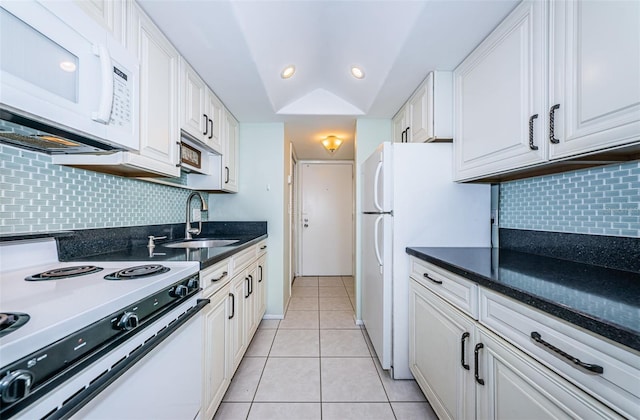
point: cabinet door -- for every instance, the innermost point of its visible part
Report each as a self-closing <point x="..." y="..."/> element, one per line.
<point x="192" y="102"/>
<point x="595" y="75"/>
<point x="517" y="387"/>
<point x="237" y="343"/>
<point x="421" y="112"/>
<point x="261" y="288"/>
<point x="216" y="334"/>
<point x="497" y="90"/>
<point x="159" y="132"/>
<point x="399" y="126"/>
<point x="110" y="14"/>
<point x="230" y="155"/>
<point x="440" y="340"/>
<point x="215" y="114"/>
<point x="250" y="321"/>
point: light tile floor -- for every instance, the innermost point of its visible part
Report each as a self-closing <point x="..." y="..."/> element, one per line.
<point x="317" y="363"/>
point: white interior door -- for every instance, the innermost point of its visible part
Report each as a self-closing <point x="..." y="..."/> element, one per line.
<point x="326" y="218"/>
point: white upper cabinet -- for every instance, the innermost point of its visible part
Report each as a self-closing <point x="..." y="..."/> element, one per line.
<point x="192" y="102"/>
<point x="159" y="132"/>
<point x="201" y="112"/>
<point x="400" y="124"/>
<point x="110" y="14"/>
<point x="427" y="115"/>
<point x="595" y="75"/>
<point x="230" y="155"/>
<point x="499" y="97"/>
<point x="555" y="80"/>
<point x="215" y="115"/>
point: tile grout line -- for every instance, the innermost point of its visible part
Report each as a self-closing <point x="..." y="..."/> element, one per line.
<point x="319" y="353"/>
<point x="265" y="364"/>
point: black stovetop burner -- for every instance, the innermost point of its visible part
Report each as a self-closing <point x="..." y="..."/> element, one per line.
<point x="137" y="272"/>
<point x="65" y="272"/>
<point x="10" y="322"/>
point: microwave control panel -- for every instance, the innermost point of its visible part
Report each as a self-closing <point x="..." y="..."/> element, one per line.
<point x="122" y="99"/>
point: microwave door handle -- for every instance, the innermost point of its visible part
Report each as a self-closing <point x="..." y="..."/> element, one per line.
<point x="376" y="241"/>
<point x="376" y="180"/>
<point x="106" y="97"/>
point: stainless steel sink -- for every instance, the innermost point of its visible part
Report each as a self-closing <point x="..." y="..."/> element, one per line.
<point x="201" y="243"/>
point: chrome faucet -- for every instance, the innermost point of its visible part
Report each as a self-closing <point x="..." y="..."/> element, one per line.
<point x="188" y="230"/>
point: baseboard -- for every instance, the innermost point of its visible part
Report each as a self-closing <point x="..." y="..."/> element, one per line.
<point x="273" y="316"/>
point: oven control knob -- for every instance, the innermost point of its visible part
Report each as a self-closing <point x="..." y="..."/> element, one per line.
<point x="16" y="385"/>
<point x="180" y="291"/>
<point x="128" y="321"/>
<point x="194" y="283"/>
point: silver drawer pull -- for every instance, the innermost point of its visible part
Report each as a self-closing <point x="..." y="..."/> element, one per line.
<point x="591" y="368"/>
<point x="223" y="275"/>
<point x="426" y="276"/>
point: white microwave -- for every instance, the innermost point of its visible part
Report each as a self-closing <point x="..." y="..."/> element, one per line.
<point x="58" y="65"/>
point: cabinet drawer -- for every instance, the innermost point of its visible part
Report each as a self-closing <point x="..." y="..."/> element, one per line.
<point x="458" y="291"/>
<point x="617" y="385"/>
<point x="214" y="277"/>
<point x="261" y="248"/>
<point x="242" y="259"/>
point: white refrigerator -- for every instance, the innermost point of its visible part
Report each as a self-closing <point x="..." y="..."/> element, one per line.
<point x="409" y="199"/>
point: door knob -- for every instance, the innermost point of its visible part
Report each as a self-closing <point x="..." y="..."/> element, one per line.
<point x="306" y="225"/>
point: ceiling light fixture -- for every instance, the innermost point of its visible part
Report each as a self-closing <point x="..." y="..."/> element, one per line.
<point x="288" y="72"/>
<point x="332" y="143"/>
<point x="357" y="72"/>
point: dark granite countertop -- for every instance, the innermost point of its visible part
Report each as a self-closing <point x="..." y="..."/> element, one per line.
<point x="602" y="300"/>
<point x="205" y="256"/>
<point x="7" y="237"/>
<point x="130" y="243"/>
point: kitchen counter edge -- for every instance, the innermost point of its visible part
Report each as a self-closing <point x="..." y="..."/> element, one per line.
<point x="600" y="327"/>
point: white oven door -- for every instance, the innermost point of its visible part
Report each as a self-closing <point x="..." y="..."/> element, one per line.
<point x="165" y="384"/>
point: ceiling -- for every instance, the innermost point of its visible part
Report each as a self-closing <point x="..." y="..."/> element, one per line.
<point x="240" y="48"/>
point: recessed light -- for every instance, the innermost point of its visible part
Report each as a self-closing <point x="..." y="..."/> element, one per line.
<point x="357" y="72"/>
<point x="288" y="72"/>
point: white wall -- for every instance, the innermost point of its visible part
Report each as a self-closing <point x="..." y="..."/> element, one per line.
<point x="369" y="134"/>
<point x="261" y="195"/>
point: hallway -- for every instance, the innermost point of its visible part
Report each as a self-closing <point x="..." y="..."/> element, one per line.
<point x="317" y="364"/>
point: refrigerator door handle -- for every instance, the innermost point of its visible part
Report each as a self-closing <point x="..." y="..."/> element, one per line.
<point x="376" y="180"/>
<point x="376" y="229"/>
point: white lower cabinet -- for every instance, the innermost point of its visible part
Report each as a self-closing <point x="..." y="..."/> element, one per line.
<point x="466" y="371"/>
<point x="236" y="288"/>
<point x="261" y="285"/>
<point x="249" y="306"/>
<point x="515" y="386"/>
<point x="216" y="334"/>
<point x="237" y="343"/>
<point x="439" y="354"/>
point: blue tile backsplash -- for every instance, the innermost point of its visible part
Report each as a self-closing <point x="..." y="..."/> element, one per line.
<point x="599" y="201"/>
<point x="39" y="196"/>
